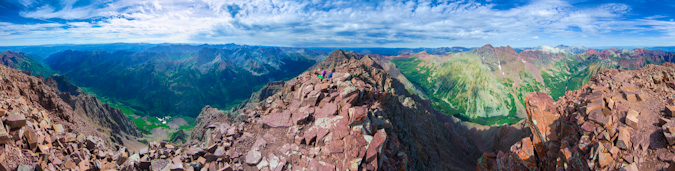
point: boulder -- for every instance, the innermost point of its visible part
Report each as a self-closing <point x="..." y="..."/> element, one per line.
<point x="31" y="138"/>
<point x="143" y="151"/>
<point x="24" y="167"/>
<point x="276" y="120"/>
<point x="303" y="116"/>
<point x="253" y="157"/>
<point x="669" y="132"/>
<point x="15" y="120"/>
<point x="4" y="135"/>
<point x="605" y="159"/>
<point x="58" y="128"/>
<point x="375" y="145"/>
<point x="525" y="152"/>
<point x="670" y="110"/>
<point x="631" y="97"/>
<point x="327" y="110"/>
<point x="632" y="118"/>
<point x="543" y="120"/>
<point x="623" y="141"/>
<point x="598" y="116"/>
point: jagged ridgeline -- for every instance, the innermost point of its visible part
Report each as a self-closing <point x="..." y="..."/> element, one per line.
<point x="24" y="62"/>
<point x="488" y="85"/>
<point x="179" y="80"/>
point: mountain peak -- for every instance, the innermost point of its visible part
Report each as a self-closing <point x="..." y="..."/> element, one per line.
<point x="487" y="46"/>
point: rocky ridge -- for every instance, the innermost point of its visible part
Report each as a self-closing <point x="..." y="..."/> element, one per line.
<point x="621" y="119"/>
<point x="360" y="119"/>
<point x="111" y="119"/>
<point x="40" y="130"/>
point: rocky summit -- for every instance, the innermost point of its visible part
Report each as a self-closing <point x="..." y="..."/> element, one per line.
<point x="41" y="129"/>
<point x="620" y="120"/>
<point x="357" y="119"/>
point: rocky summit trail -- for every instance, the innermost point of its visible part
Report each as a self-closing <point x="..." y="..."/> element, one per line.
<point x="621" y="119"/>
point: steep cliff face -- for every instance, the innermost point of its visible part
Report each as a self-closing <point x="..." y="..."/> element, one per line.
<point x="359" y="118"/>
<point x="620" y="120"/>
<point x="111" y="119"/>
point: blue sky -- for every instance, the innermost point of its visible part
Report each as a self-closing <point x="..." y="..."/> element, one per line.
<point x="472" y="23"/>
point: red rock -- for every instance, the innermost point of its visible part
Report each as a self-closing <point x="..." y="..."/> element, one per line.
<point x="4" y="135"/>
<point x="276" y="120"/>
<point x="670" y="110"/>
<point x="321" y="127"/>
<point x="320" y="165"/>
<point x="220" y="152"/>
<point x="253" y="157"/>
<point x="201" y="160"/>
<point x="598" y="116"/>
<point x="15" y="120"/>
<point x="375" y="145"/>
<point x="335" y="147"/>
<point x="143" y="151"/>
<point x="350" y="95"/>
<point x="31" y="138"/>
<point x="58" y="128"/>
<point x="596" y="104"/>
<point x="605" y="159"/>
<point x="669" y="132"/>
<point x="327" y="110"/>
<point x="631" y="167"/>
<point x="632" y="118"/>
<point x="623" y="141"/>
<point x="631" y="97"/>
<point x="44" y="148"/>
<point x="543" y="120"/>
<point x="357" y="115"/>
<point x="312" y="99"/>
<point x="144" y="165"/>
<point x="588" y="126"/>
<point x="525" y="153"/>
<point x="69" y="164"/>
<point x="303" y="116"/>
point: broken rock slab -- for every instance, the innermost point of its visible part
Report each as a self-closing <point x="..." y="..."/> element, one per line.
<point x="632" y="118"/>
<point x="670" y="110"/>
<point x="4" y="136"/>
<point x="276" y="120"/>
<point x="15" y="120"/>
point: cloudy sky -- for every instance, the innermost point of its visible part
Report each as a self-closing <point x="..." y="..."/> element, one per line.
<point x="337" y="23"/>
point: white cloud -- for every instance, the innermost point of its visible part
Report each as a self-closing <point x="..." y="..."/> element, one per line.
<point x="331" y="23"/>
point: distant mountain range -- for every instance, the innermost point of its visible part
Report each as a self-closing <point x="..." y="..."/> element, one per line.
<point x="180" y="80"/>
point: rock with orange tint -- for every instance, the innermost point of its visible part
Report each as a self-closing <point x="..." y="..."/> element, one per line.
<point x="525" y="151"/>
<point x="543" y="119"/>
